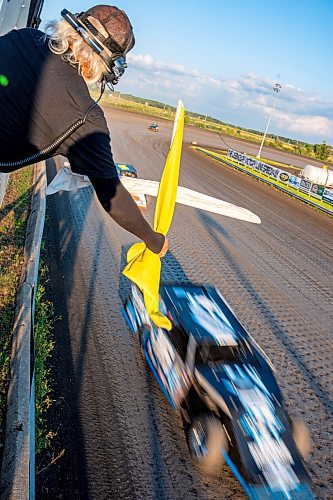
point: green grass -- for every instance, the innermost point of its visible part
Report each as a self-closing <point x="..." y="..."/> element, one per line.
<point x="13" y="219"/>
<point x="127" y="105"/>
<point x="44" y="345"/>
<point x="273" y="182"/>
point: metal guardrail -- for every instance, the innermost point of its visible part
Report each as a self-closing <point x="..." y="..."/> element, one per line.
<point x="3" y="186"/>
<point x="266" y="181"/>
<point x="18" y="466"/>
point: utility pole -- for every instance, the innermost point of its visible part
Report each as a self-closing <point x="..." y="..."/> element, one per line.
<point x="276" y="88"/>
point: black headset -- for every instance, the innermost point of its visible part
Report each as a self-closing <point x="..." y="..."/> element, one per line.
<point x="116" y="63"/>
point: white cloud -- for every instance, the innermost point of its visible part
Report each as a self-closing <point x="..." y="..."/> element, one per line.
<point x="249" y="98"/>
<point x="146" y="62"/>
<point x="307" y="125"/>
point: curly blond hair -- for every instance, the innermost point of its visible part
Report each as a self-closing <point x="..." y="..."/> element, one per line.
<point x="64" y="40"/>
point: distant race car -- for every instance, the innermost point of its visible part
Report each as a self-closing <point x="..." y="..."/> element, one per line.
<point x="211" y="369"/>
<point x="153" y="127"/>
<point x="127" y="170"/>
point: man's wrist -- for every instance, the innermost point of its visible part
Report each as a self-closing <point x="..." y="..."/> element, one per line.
<point x="155" y="242"/>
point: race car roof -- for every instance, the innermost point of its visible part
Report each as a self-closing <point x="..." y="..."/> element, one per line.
<point x="202" y="313"/>
<point x="125" y="166"/>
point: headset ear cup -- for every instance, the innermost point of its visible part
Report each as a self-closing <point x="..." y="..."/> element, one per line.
<point x="115" y="72"/>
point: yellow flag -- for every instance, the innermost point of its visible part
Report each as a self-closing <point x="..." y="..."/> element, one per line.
<point x="143" y="266"/>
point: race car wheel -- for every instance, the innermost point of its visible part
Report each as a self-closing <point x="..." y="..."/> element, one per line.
<point x="143" y="332"/>
<point x="302" y="438"/>
<point x="130" y="311"/>
<point x="206" y="439"/>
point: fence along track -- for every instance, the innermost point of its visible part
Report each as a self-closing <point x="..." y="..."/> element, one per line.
<point x="266" y="181"/>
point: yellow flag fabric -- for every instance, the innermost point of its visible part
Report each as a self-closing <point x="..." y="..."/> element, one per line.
<point x="143" y="266"/>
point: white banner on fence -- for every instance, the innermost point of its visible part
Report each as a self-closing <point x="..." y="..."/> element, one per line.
<point x="264" y="168"/>
<point x="294" y="181"/>
<point x="315" y="190"/>
<point x="247" y="161"/>
<point x="305" y="186"/>
<point x="328" y="195"/>
<point x="284" y="176"/>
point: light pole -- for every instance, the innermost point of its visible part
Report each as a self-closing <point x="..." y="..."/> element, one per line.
<point x="276" y="88"/>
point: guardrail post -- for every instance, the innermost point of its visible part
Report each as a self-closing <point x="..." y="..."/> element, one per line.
<point x="3" y="185"/>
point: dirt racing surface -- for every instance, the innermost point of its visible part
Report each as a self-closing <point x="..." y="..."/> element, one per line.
<point x="120" y="437"/>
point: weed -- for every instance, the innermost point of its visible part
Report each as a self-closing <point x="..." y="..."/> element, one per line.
<point x="44" y="344"/>
<point x="13" y="220"/>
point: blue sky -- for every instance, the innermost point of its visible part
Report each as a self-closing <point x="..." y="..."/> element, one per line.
<point x="223" y="58"/>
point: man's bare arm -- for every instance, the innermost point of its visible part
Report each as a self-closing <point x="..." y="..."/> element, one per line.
<point x="119" y="204"/>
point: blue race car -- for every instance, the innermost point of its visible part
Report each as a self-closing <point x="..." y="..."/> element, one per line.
<point x="126" y="169"/>
<point x="153" y="127"/>
<point x="211" y="369"/>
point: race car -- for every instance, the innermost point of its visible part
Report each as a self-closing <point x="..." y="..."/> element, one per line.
<point x="127" y="170"/>
<point x="212" y="370"/>
<point x="153" y="127"/>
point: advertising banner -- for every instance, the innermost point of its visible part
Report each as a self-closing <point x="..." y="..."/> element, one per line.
<point x="263" y="168"/>
<point x="313" y="189"/>
<point x="284" y="176"/>
<point x="247" y="161"/>
<point x="241" y="158"/>
<point x="328" y="196"/>
<point x="305" y="186"/>
<point x="317" y="191"/>
<point x="294" y="181"/>
<point x="275" y="172"/>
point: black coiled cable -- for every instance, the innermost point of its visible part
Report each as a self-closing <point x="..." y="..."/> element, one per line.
<point x="44" y="153"/>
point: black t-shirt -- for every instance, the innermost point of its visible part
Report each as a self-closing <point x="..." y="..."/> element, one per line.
<point x="44" y="96"/>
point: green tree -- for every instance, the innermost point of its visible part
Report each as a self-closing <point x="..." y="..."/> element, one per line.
<point x="297" y="148"/>
<point x="309" y="150"/>
<point x="322" y="151"/>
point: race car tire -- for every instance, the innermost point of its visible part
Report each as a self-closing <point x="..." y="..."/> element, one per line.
<point x="143" y="333"/>
<point x="130" y="311"/>
<point x="206" y="440"/>
<point x="302" y="438"/>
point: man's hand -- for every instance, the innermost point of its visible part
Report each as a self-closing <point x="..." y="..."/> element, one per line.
<point x="158" y="243"/>
<point x="165" y="248"/>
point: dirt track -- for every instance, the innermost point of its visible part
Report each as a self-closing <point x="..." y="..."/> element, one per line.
<point x="121" y="438"/>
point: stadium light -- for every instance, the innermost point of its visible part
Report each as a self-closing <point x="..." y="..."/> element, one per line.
<point x="276" y="88"/>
